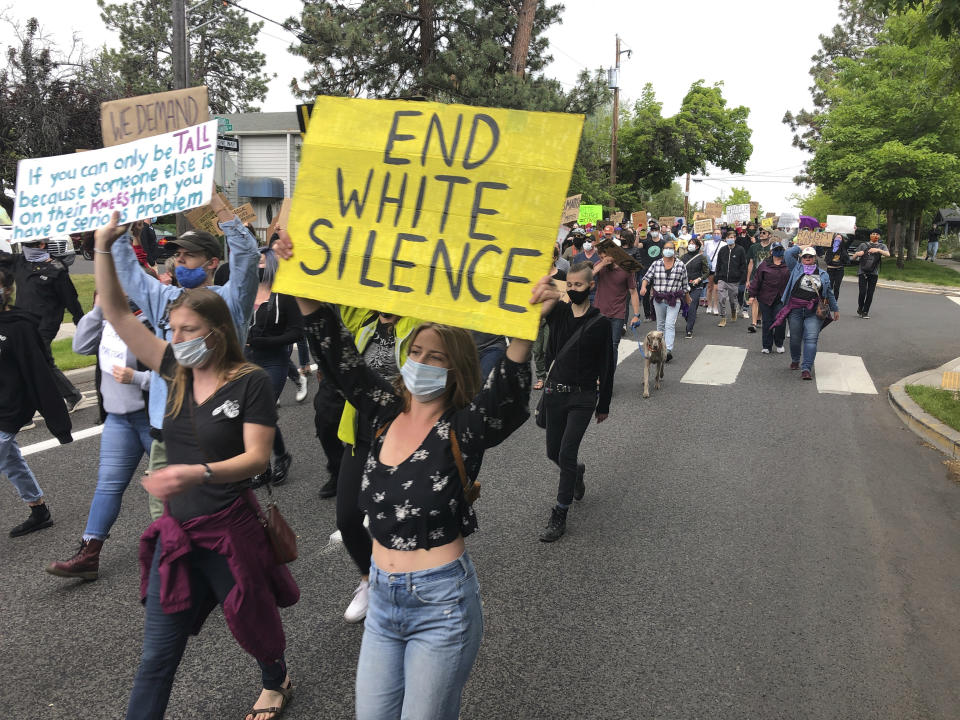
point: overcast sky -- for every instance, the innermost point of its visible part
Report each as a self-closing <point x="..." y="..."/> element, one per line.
<point x="759" y="52"/>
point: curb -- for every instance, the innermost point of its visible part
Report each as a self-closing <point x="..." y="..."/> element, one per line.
<point x="931" y="430"/>
<point x="81" y="375"/>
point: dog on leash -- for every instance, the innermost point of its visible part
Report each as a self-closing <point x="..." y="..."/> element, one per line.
<point x="654" y="353"/>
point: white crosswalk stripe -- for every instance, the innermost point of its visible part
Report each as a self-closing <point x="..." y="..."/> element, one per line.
<point x="716" y="365"/>
<point x="842" y="374"/>
<point x="955" y="298"/>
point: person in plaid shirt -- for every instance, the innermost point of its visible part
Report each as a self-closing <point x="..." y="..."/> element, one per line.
<point x="670" y="285"/>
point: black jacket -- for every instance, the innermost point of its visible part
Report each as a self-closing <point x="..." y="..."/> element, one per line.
<point x="731" y="265"/>
<point x="26" y="377"/>
<point x="275" y="323"/>
<point x="148" y="240"/>
<point x="588" y="360"/>
<point x="45" y="290"/>
<point x="837" y="259"/>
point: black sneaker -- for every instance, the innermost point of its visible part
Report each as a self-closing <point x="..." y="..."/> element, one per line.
<point x="669" y="356"/>
<point x="688" y="336"/>
<point x="578" y="487"/>
<point x="557" y="525"/>
<point x="262" y="479"/>
<point x="38" y="520"/>
<point x="752" y="329"/>
<point x="329" y="488"/>
<point x="280" y="469"/>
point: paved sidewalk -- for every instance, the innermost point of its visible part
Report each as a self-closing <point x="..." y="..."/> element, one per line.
<point x="941" y="436"/>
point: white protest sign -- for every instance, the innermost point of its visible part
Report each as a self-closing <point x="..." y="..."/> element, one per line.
<point x="145" y="178"/>
<point x="113" y="351"/>
<point x="846" y="224"/>
<point x="738" y="213"/>
<point x="789" y="218"/>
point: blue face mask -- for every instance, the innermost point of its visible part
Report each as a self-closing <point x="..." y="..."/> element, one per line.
<point x="424" y="382"/>
<point x="190" y="277"/>
<point x="192" y="353"/>
<point x="668" y="253"/>
<point x="730" y="241"/>
<point x="35" y="254"/>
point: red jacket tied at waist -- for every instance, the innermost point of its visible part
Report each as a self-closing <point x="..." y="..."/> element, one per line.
<point x="262" y="586"/>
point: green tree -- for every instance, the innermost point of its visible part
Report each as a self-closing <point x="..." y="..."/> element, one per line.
<point x="49" y="102"/>
<point x="668" y="201"/>
<point x="942" y="17"/>
<point x="223" y="53"/>
<point x="818" y="203"/>
<point x="904" y="159"/>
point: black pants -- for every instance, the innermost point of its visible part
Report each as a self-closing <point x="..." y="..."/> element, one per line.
<point x="568" y="415"/>
<point x="868" y="283"/>
<point x="64" y="386"/>
<point x="349" y="516"/>
<point x="328" y="407"/>
<point x="771" y="335"/>
<point x="836" y="277"/>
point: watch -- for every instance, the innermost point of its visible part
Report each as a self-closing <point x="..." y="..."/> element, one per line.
<point x="207" y="474"/>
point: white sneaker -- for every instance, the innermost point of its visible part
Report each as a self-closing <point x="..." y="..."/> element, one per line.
<point x="779" y="349"/>
<point x="764" y="352"/>
<point x="357" y="609"/>
<point x="301" y="388"/>
<point x="746" y="314"/>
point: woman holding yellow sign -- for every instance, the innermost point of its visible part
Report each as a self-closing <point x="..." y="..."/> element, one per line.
<point x="424" y="621"/>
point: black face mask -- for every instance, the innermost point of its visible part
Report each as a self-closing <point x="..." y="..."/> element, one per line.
<point x="578" y="296"/>
<point x="260" y="274"/>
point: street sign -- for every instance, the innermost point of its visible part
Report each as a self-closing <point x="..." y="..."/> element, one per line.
<point x="228" y="143"/>
<point x="223" y="124"/>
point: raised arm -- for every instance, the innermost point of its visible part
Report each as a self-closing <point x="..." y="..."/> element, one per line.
<point x="141" y="342"/>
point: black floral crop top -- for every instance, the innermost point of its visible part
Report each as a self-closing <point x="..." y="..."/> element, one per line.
<point x="418" y="504"/>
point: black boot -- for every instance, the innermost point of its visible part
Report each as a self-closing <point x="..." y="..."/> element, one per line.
<point x="329" y="488"/>
<point x="38" y="520"/>
<point x="557" y="525"/>
<point x="578" y="487"/>
<point x="280" y="469"/>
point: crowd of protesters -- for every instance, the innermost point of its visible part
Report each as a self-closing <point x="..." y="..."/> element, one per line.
<point x="193" y="356"/>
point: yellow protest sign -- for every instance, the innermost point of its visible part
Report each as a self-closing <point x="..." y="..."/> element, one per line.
<point x="443" y="212"/>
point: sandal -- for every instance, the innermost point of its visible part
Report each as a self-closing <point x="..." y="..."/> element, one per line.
<point x="286" y="692"/>
<point x="538" y="385"/>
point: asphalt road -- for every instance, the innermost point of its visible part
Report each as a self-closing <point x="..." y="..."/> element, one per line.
<point x="755" y="550"/>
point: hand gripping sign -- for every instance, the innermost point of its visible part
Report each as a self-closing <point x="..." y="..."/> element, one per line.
<point x="442" y="212"/>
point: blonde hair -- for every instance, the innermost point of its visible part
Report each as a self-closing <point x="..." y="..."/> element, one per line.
<point x="227" y="357"/>
<point x="464" y="373"/>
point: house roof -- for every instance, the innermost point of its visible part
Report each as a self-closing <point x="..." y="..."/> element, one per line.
<point x="278" y="122"/>
<point x="948" y="215"/>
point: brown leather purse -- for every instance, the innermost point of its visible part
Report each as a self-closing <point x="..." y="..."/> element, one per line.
<point x="283" y="541"/>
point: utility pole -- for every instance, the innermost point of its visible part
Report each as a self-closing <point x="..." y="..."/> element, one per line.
<point x="180" y="48"/>
<point x="615" y="83"/>
<point x="686" y="201"/>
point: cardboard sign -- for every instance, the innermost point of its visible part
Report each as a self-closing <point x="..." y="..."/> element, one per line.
<point x="590" y="214"/>
<point x="738" y="213"/>
<point x="617" y="218"/>
<point x="281" y="219"/>
<point x="812" y="237"/>
<point x="754" y="209"/>
<point x="73" y="193"/>
<point x="639" y="219"/>
<point x="770" y="215"/>
<point x="666" y="221"/>
<point x="713" y="210"/>
<point x="571" y="209"/>
<point x="703" y="226"/>
<point x="619" y="256"/>
<point x="441" y="212"/>
<point x="205" y="219"/>
<point x="700" y="216"/>
<point x="846" y="224"/>
<point x="122" y="121"/>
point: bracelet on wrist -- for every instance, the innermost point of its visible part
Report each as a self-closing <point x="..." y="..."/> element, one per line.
<point x="102" y="252"/>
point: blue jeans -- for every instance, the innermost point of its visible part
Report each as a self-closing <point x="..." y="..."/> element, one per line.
<point x="804" y="330"/>
<point x="695" y="295"/>
<point x="932" y="248"/>
<point x="125" y="439"/>
<point x="421" y="638"/>
<point x="275" y="363"/>
<point x="165" y="635"/>
<point x="667" y="320"/>
<point x="616" y="329"/>
<point x="489" y="357"/>
<point x="15" y="468"/>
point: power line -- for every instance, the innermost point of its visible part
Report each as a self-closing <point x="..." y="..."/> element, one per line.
<point x="301" y="35"/>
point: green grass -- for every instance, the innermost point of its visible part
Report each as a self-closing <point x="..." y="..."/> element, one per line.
<point x="84" y="286"/>
<point x="66" y="359"/>
<point x="915" y="271"/>
<point x="942" y="404"/>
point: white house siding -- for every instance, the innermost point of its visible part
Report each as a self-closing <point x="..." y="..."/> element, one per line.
<point x="264" y="156"/>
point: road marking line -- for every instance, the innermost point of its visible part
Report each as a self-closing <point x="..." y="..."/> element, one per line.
<point x="53" y="442"/>
<point x="716" y="365"/>
<point x="842" y="375"/>
<point x="626" y="349"/>
<point x="955" y="298"/>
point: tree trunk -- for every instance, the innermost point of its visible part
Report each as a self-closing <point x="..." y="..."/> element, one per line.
<point x="521" y="41"/>
<point x="910" y="239"/>
<point x="428" y="34"/>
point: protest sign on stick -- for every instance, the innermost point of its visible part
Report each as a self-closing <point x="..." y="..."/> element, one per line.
<point x="639" y="219"/>
<point x="204" y="218"/>
<point x="123" y="121"/>
<point x="703" y="226"/>
<point x="154" y="176"/>
<point x="754" y="209"/>
<point x="713" y="210"/>
<point x="738" y="213"/>
<point x="571" y="209"/>
<point x="440" y="212"/>
<point x="846" y="224"/>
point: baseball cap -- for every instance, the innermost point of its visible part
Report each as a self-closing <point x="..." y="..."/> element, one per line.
<point x="198" y="241"/>
<point x="808" y="251"/>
